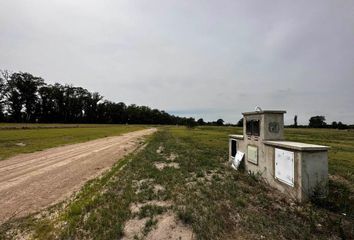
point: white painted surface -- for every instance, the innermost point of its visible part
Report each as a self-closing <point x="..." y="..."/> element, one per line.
<point x="236" y="136"/>
<point x="237" y="160"/>
<point x="296" y="145"/>
<point x="284" y="166"/>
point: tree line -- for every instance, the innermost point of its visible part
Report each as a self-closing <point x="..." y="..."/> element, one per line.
<point x="27" y="98"/>
<point x="314" y="122"/>
<point x="320" y="122"/>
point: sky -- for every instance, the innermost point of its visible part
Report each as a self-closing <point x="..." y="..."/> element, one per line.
<point x="204" y="59"/>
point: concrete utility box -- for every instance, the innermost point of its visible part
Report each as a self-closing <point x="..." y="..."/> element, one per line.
<point x="294" y="168"/>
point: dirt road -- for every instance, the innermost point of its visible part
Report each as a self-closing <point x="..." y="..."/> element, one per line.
<point x="30" y="182"/>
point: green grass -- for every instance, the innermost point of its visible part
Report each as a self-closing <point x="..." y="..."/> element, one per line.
<point x="341" y="154"/>
<point x="4" y="126"/>
<point x="216" y="201"/>
<point x="25" y="138"/>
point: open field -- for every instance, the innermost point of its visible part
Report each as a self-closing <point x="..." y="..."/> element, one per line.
<point x="341" y="154"/>
<point x="179" y="184"/>
<point x="14" y="126"/>
<point x="26" y="138"/>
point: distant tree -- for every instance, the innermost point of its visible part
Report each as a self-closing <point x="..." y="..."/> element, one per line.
<point x="334" y="124"/>
<point x="2" y="86"/>
<point x="317" y="122"/>
<point x="240" y="123"/>
<point x="342" y="125"/>
<point x="22" y="95"/>
<point x="201" y="122"/>
<point x="191" y="123"/>
<point x="4" y="77"/>
<point x="59" y="99"/>
<point x="295" y="121"/>
<point x="45" y="105"/>
<point x="91" y="107"/>
<point x="220" y="122"/>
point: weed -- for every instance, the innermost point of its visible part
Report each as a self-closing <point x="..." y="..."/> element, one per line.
<point x="185" y="215"/>
<point x="255" y="176"/>
<point x="149" y="225"/>
<point x="340" y="199"/>
<point x="150" y="211"/>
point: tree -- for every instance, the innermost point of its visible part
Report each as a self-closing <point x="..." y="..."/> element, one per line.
<point x="317" y="122"/>
<point x="2" y="86"/>
<point x="27" y="98"/>
<point x="295" y="121"/>
<point x="342" y="125"/>
<point x="22" y="94"/>
<point x="4" y="77"/>
<point x="14" y="101"/>
<point x="46" y="105"/>
<point x="201" y="122"/>
<point x="220" y="122"/>
<point x="91" y="107"/>
<point x="191" y="123"/>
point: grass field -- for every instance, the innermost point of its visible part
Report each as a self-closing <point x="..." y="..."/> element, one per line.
<point x="341" y="154"/>
<point x="207" y="195"/>
<point x="25" y="138"/>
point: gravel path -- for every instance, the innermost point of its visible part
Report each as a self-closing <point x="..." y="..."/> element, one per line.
<point x="31" y="182"/>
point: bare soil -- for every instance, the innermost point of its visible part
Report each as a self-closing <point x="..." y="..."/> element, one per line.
<point x="161" y="165"/>
<point x="31" y="182"/>
<point x="169" y="227"/>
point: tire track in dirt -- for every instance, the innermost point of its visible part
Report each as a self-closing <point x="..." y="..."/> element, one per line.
<point x="31" y="182"/>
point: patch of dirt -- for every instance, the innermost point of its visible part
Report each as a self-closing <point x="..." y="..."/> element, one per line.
<point x="206" y="178"/>
<point x="160" y="150"/>
<point x="169" y="227"/>
<point x="191" y="184"/>
<point x="158" y="188"/>
<point x="20" y="144"/>
<point x="133" y="229"/>
<point x="161" y="165"/>
<point x="172" y="157"/>
<point x="17" y="234"/>
<point x="31" y="182"/>
<point x="212" y="174"/>
<point x="141" y="184"/>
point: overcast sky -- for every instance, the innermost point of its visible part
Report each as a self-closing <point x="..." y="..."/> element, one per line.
<point x="210" y="59"/>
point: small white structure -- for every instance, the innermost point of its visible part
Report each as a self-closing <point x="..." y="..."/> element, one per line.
<point x="294" y="168"/>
